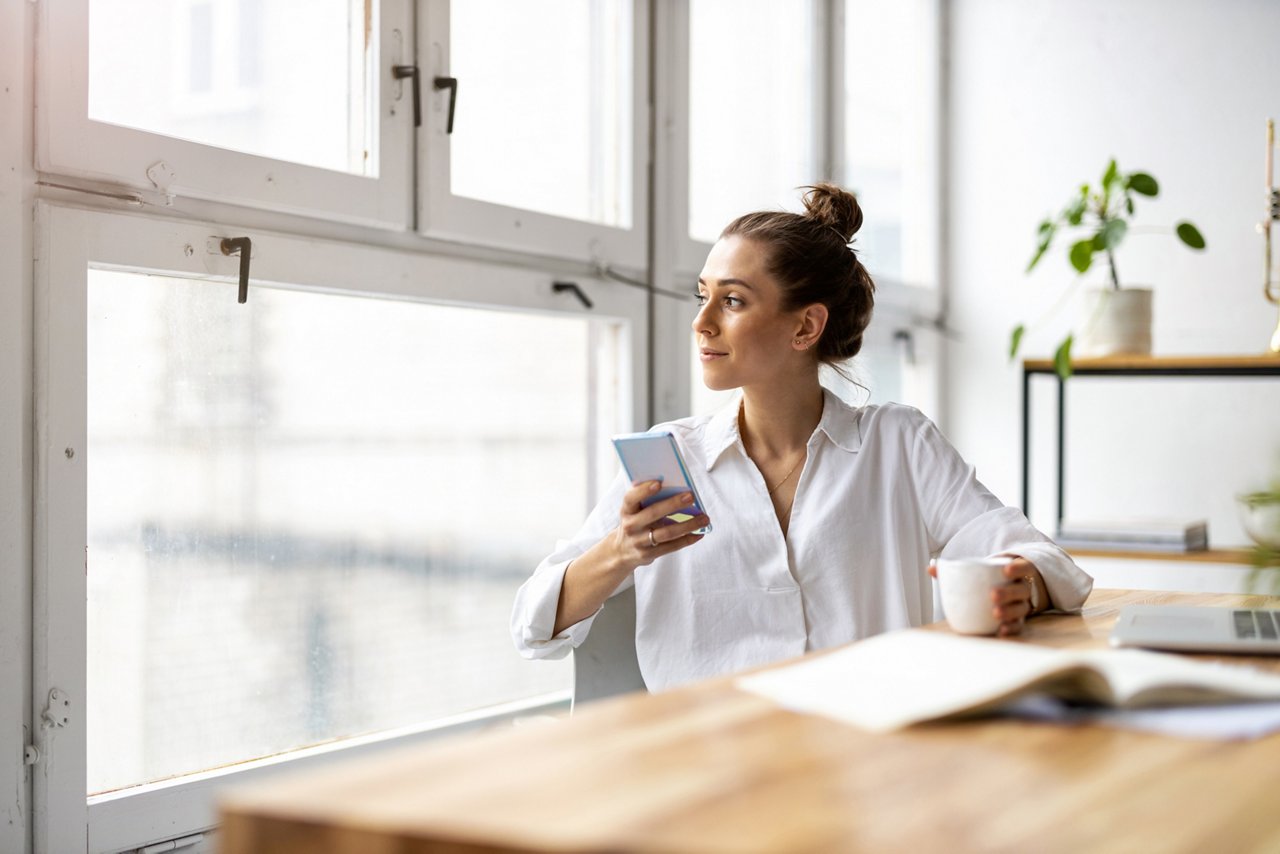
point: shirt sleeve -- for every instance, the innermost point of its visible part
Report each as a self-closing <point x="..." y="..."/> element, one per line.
<point x="964" y="519"/>
<point x="533" y="616"/>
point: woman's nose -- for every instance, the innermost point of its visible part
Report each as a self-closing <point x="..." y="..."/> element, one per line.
<point x="702" y="324"/>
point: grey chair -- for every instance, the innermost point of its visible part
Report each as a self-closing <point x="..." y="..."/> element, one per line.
<point x="605" y="664"/>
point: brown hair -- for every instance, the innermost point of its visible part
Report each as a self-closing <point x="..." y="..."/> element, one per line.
<point x="810" y="256"/>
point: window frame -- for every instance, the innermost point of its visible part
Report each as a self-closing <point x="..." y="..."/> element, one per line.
<point x="70" y="241"/>
<point x="159" y="168"/>
<point x="445" y="216"/>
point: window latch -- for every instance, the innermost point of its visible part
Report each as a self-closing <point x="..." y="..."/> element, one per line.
<point x="243" y="245"/>
<point x="400" y="72"/>
<point x="450" y="83"/>
<point x="572" y="287"/>
<point x="57" y="712"/>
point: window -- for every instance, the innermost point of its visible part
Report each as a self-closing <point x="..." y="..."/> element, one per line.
<point x="311" y="511"/>
<point x="542" y="156"/>
<point x="243" y="101"/>
<point x="753" y="127"/>
<point x="890" y="105"/>
<point x="565" y="132"/>
<point x="303" y="519"/>
<point x="752" y="60"/>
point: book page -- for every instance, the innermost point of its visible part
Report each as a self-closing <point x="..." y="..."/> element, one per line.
<point x="905" y="677"/>
<point x="1139" y="678"/>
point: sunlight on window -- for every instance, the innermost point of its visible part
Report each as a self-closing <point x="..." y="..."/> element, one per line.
<point x="751" y="128"/>
<point x="253" y="76"/>
<point x="308" y="515"/>
<point x="549" y="127"/>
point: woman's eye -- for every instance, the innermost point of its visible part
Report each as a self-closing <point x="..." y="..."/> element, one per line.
<point x="732" y="301"/>
<point x="701" y="299"/>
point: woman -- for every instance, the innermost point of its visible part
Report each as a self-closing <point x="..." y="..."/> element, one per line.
<point x="825" y="515"/>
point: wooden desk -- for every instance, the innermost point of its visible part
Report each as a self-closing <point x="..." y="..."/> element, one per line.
<point x="708" y="768"/>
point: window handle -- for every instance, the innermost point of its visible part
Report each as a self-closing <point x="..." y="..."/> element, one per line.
<point x="450" y="83"/>
<point x="400" y="72"/>
<point x="572" y="287"/>
<point x="243" y="245"/>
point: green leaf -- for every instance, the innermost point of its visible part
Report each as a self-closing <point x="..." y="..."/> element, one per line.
<point x="1141" y="182"/>
<point x="1062" y="359"/>
<point x="1110" y="175"/>
<point x="1047" y="229"/>
<point x="1015" y="339"/>
<point x="1128" y="203"/>
<point x="1074" y="212"/>
<point x="1112" y="233"/>
<point x="1190" y="235"/>
<point x="1082" y="255"/>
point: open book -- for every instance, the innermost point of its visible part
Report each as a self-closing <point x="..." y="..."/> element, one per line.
<point x="906" y="677"/>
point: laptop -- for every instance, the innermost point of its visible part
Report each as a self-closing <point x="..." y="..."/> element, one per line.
<point x="1198" y="628"/>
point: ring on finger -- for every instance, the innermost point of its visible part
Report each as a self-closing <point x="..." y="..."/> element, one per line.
<point x="653" y="544"/>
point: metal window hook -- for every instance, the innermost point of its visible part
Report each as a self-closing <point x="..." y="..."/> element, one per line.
<point x="572" y="287"/>
<point x="450" y="83"/>
<point x="244" y="246"/>
<point x="400" y="72"/>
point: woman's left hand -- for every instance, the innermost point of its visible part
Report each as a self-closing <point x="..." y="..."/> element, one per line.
<point x="1011" y="601"/>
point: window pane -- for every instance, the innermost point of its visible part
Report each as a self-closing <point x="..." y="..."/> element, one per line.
<point x="548" y="127"/>
<point x="308" y="515"/>
<point x="257" y="77"/>
<point x="750" y="115"/>
<point x="888" y="132"/>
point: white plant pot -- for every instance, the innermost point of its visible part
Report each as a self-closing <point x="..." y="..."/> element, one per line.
<point x="1114" y="323"/>
<point x="1261" y="521"/>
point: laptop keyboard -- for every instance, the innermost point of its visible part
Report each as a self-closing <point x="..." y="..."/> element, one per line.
<point x="1258" y="623"/>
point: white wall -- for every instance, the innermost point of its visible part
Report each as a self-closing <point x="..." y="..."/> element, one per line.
<point x="1041" y="96"/>
<point x="15" y="410"/>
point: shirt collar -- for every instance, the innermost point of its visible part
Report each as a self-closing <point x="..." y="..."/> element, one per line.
<point x="840" y="423"/>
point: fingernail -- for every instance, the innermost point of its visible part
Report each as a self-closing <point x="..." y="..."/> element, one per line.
<point x="654" y="486"/>
<point x="686" y="498"/>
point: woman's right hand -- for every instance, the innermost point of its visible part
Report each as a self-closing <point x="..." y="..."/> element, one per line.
<point x="641" y="536"/>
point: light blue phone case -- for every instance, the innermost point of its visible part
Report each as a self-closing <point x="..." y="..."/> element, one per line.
<point x="656" y="456"/>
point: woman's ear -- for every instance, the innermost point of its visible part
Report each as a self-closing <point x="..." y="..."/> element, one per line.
<point x="813" y="319"/>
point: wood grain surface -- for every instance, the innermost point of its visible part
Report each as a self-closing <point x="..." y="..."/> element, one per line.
<point x="1260" y="362"/>
<point x="708" y="768"/>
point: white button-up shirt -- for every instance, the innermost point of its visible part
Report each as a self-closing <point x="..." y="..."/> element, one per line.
<point x="881" y="492"/>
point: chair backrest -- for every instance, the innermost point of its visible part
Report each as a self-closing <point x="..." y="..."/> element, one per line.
<point x="605" y="664"/>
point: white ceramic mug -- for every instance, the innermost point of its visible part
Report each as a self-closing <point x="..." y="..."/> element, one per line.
<point x="965" y="584"/>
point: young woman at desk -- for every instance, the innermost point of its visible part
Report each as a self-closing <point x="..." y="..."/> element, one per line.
<point x="825" y="515"/>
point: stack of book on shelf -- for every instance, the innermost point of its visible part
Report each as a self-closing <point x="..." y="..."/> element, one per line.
<point x="1138" y="535"/>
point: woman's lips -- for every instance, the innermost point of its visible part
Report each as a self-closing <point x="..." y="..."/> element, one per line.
<point x="710" y="355"/>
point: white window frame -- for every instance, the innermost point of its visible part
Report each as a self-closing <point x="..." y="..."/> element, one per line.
<point x="69" y="241"/>
<point x="159" y="168"/>
<point x="445" y="216"/>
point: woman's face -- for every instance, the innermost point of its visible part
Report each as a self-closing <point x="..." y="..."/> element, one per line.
<point x="744" y="337"/>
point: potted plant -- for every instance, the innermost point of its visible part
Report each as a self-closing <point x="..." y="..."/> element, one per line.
<point x="1116" y="319"/>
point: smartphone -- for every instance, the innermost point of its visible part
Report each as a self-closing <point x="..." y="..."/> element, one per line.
<point x="656" y="456"/>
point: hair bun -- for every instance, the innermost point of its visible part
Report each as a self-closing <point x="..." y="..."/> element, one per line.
<point x="833" y="206"/>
